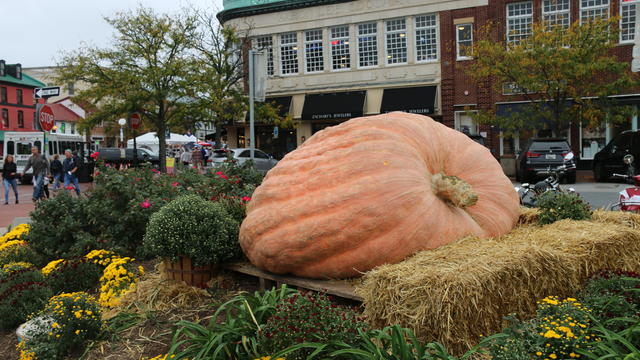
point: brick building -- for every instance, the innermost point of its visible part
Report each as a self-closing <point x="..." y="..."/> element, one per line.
<point x="17" y="106"/>
<point x="330" y="60"/>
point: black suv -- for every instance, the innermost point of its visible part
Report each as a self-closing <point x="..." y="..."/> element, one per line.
<point x="610" y="159"/>
<point x="542" y="155"/>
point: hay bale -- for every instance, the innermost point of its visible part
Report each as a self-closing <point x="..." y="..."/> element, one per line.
<point x="457" y="292"/>
<point x="528" y="216"/>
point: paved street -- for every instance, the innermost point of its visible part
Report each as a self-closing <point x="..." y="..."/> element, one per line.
<point x="597" y="194"/>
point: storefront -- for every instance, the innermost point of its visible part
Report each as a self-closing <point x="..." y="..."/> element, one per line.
<point x="325" y="110"/>
<point x="416" y="100"/>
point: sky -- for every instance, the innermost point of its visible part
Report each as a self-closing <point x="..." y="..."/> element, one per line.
<point x="36" y="31"/>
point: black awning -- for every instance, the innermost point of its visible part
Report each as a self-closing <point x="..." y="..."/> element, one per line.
<point x="342" y="105"/>
<point x="282" y="103"/>
<point x="416" y="100"/>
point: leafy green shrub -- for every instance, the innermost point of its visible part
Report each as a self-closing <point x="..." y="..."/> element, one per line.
<point x="232" y="331"/>
<point x="614" y="297"/>
<point x="17" y="251"/>
<point x="190" y="226"/>
<point x="60" y="228"/>
<point x="72" y="275"/>
<point x="309" y="317"/>
<point x="22" y="292"/>
<point x="556" y="206"/>
<point x="73" y="319"/>
<point x="560" y="330"/>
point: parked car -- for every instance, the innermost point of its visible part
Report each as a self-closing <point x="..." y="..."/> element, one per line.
<point x="117" y="155"/>
<point x="263" y="162"/>
<point x="541" y="156"/>
<point x="477" y="138"/>
<point x="611" y="159"/>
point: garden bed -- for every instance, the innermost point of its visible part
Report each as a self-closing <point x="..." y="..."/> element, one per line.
<point x="458" y="292"/>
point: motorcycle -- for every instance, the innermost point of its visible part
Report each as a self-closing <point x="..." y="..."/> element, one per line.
<point x="629" y="199"/>
<point x="528" y="192"/>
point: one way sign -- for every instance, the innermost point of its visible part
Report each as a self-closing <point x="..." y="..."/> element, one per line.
<point x="47" y="92"/>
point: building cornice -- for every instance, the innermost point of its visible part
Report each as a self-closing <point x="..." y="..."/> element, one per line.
<point x="227" y="15"/>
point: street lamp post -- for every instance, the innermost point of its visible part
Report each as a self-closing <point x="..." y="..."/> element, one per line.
<point x="122" y="122"/>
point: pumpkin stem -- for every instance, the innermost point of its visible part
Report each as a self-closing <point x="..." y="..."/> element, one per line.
<point x="453" y="190"/>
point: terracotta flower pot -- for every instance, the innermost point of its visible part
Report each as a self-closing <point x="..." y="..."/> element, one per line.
<point x="184" y="270"/>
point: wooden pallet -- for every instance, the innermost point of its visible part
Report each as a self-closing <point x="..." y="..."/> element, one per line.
<point x="340" y="288"/>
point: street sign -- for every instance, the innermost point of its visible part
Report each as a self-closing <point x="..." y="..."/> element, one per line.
<point x="135" y="120"/>
<point x="46" y="92"/>
<point x="46" y="118"/>
<point x="275" y="132"/>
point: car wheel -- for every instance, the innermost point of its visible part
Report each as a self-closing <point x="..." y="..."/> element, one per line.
<point x="571" y="178"/>
<point x="598" y="172"/>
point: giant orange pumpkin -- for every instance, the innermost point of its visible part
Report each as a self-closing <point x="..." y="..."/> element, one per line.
<point x="371" y="191"/>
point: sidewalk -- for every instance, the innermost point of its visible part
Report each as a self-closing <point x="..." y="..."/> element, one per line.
<point x="13" y="210"/>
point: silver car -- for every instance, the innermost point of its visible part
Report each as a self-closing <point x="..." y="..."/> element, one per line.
<point x="262" y="161"/>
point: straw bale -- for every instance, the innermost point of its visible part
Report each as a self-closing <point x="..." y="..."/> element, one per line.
<point x="528" y="215"/>
<point x="457" y="292"/>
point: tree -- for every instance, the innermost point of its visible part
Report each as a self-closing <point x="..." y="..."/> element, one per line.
<point x="146" y="69"/>
<point x="566" y="74"/>
<point x="220" y="75"/>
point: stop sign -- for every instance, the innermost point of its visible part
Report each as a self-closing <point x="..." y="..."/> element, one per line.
<point x="46" y="118"/>
<point x="135" y="120"/>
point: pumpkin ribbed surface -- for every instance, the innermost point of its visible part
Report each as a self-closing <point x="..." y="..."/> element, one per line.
<point x="374" y="190"/>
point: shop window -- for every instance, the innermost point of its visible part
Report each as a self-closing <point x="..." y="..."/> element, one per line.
<point x="20" y="119"/>
<point x="627" y="20"/>
<point x="368" y="45"/>
<point x="464" y="123"/>
<point x="5" y="118"/>
<point x="265" y="43"/>
<point x="340" y="58"/>
<point x="426" y="37"/>
<point x="593" y="9"/>
<point x="464" y="38"/>
<point x="556" y="13"/>
<point x="592" y="141"/>
<point x="396" y="41"/>
<point x="19" y="96"/>
<point x="289" y="54"/>
<point x="313" y="56"/>
<point x="519" y="20"/>
<point x="3" y="95"/>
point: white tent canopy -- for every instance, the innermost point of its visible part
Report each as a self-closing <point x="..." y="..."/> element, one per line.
<point x="151" y="142"/>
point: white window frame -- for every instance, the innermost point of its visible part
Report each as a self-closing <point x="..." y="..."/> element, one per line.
<point x="458" y="57"/>
<point x="386" y="43"/>
<point x="258" y="44"/>
<point x="514" y="41"/>
<point x="309" y="42"/>
<point x="437" y="35"/>
<point x="347" y="42"/>
<point x="376" y="42"/>
<point x="635" y="25"/>
<point x="294" y="48"/>
<point x="457" y="125"/>
<point x="594" y="7"/>
<point x="556" y="13"/>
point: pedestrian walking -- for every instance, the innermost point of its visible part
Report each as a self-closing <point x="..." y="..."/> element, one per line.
<point x="196" y="157"/>
<point x="70" y="167"/>
<point x="185" y="157"/>
<point x="45" y="187"/>
<point x="9" y="172"/>
<point x="56" y="171"/>
<point x="40" y="166"/>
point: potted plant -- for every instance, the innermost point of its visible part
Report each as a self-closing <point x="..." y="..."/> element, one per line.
<point x="193" y="236"/>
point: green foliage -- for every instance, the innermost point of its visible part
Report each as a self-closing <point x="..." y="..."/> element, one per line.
<point x="614" y="297"/>
<point x="18" y="252"/>
<point x="22" y="292"/>
<point x="193" y="227"/>
<point x="566" y="74"/>
<point x="74" y="275"/>
<point x="232" y="331"/>
<point x="309" y="317"/>
<point x="556" y="206"/>
<point x="60" y="227"/>
<point x="72" y="319"/>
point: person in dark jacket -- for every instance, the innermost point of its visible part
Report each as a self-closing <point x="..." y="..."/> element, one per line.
<point x="40" y="166"/>
<point x="70" y="167"/>
<point x="56" y="171"/>
<point x="9" y="172"/>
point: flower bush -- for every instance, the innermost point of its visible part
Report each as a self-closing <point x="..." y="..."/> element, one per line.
<point x="71" y="275"/>
<point x="556" y="206"/>
<point x="101" y="257"/>
<point x="17" y="251"/>
<point x="614" y="297"/>
<point x="118" y="278"/>
<point x="22" y="292"/>
<point x="73" y="319"/>
<point x="17" y="233"/>
<point x="309" y="317"/>
<point x="193" y="227"/>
